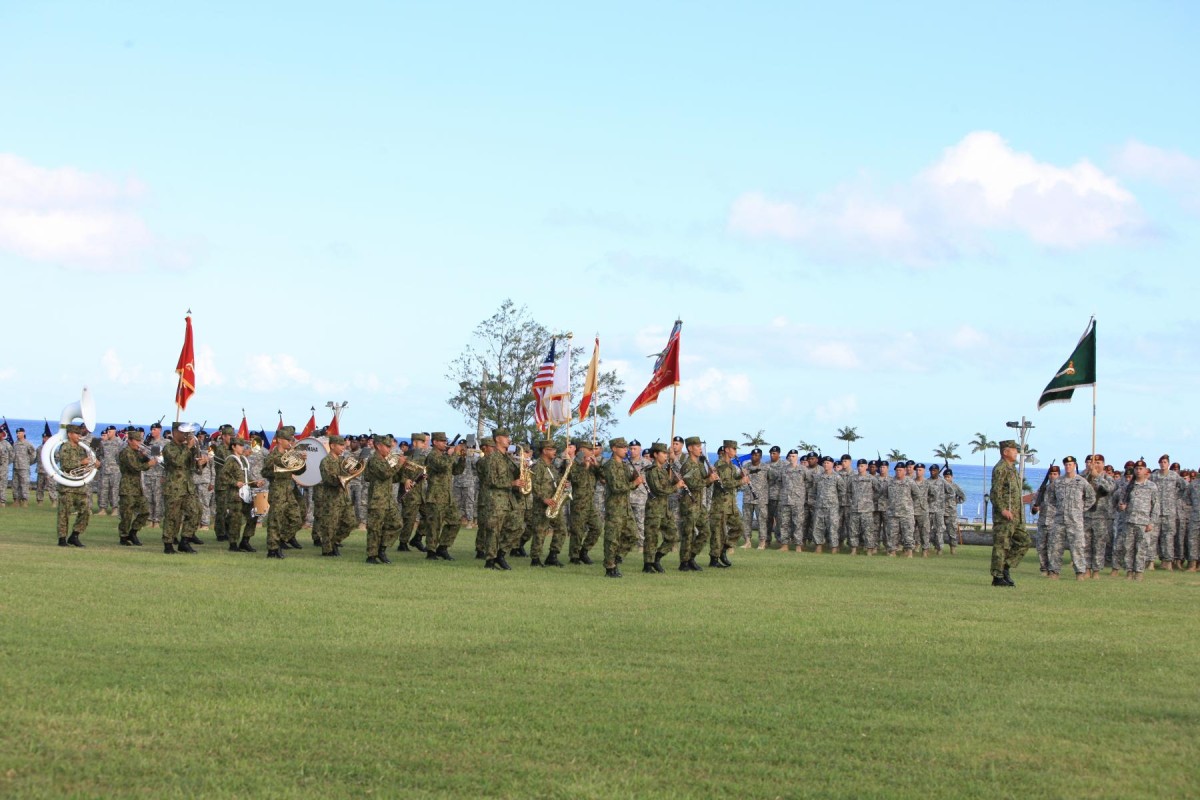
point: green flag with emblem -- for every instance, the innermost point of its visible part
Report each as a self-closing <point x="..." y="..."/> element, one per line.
<point x="1078" y="370"/>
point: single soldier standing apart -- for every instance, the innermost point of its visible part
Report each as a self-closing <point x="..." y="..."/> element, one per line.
<point x="1140" y="504"/>
<point x="440" y="519"/>
<point x="661" y="532"/>
<point x="620" y="532"/>
<point x="131" y="502"/>
<point x="73" y="499"/>
<point x="286" y="516"/>
<point x="1010" y="539"/>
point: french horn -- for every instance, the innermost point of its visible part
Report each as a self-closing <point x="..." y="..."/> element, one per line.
<point x="81" y="413"/>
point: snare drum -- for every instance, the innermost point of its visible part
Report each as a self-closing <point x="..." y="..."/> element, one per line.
<point x="261" y="504"/>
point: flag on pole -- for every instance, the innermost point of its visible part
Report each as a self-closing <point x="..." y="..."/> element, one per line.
<point x="46" y="428"/>
<point x="186" y="368"/>
<point x="309" y="427"/>
<point x="244" y="429"/>
<point x="6" y="434"/>
<point x="590" y="383"/>
<point x="333" y="429"/>
<point x="666" y="371"/>
<point x="541" y="385"/>
<point x="1079" y="370"/>
<point x="560" y="391"/>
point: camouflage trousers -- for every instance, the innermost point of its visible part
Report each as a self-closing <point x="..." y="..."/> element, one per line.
<point x="440" y="522"/>
<point x="358" y="499"/>
<point x="1193" y="538"/>
<point x="1097" y="531"/>
<point x="1139" y="547"/>
<point x="333" y="519"/>
<point x="410" y="510"/>
<point x="73" y="501"/>
<point x="586" y="526"/>
<point x="240" y="522"/>
<point x="204" y="503"/>
<point x="181" y="517"/>
<point x="773" y="520"/>
<point x="20" y="484"/>
<point x="47" y="486"/>
<point x="949" y="532"/>
<point x="464" y="498"/>
<point x="1166" y="537"/>
<point x="826" y="522"/>
<point x="152" y="488"/>
<point x="725" y="526"/>
<point x="134" y="514"/>
<point x="539" y="526"/>
<point x="384" y="522"/>
<point x="110" y="485"/>
<point x="694" y="528"/>
<point x="899" y="532"/>
<point x="284" y="518"/>
<point x="504" y="525"/>
<point x="661" y="532"/>
<point x="620" y="529"/>
<point x="791" y="524"/>
<point x="1010" y="542"/>
<point x="862" y="530"/>
<point x="1067" y="535"/>
<point x="1118" y="542"/>
<point x="637" y="506"/>
<point x="754" y="520"/>
<point x="921" y="531"/>
<point x="1045" y="533"/>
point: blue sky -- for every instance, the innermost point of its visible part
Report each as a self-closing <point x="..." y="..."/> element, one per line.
<point x="896" y="218"/>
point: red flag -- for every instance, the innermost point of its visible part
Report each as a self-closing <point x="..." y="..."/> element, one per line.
<point x="309" y="427"/>
<point x="244" y="429"/>
<point x="333" y="429"/>
<point x="666" y="372"/>
<point x="543" y="381"/>
<point x="186" y="369"/>
<point x="590" y="383"/>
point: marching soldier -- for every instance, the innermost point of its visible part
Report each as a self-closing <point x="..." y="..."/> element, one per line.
<point x="240" y="522"/>
<point x="73" y="499"/>
<point x="286" y="515"/>
<point x="660" y="528"/>
<point x="498" y="478"/>
<point x="586" y="525"/>
<point x="411" y="503"/>
<point x="620" y="532"/>
<point x="440" y="519"/>
<point x="221" y="449"/>
<point x="486" y="445"/>
<point x="725" y="521"/>
<point x="384" y="520"/>
<point x="693" y="516"/>
<point x="333" y="516"/>
<point x="182" y="460"/>
<point x="545" y="481"/>
<point x="132" y="502"/>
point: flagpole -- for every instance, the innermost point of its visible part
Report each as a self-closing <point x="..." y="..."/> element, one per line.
<point x="1093" y="419"/>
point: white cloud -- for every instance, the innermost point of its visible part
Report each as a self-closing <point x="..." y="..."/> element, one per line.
<point x="77" y="219"/>
<point x="838" y="355"/>
<point x="979" y="186"/>
<point x="965" y="337"/>
<point x="8" y="374"/>
<point x="837" y="410"/>
<point x="1171" y="169"/>
<point x="715" y="390"/>
<point x="264" y="372"/>
<point x="206" y="368"/>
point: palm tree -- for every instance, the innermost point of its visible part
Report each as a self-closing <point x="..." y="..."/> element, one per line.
<point x="848" y="435"/>
<point x="1029" y="454"/>
<point x="755" y="440"/>
<point x="981" y="444"/>
<point x="947" y="451"/>
<point x="896" y="455"/>
<point x="806" y="447"/>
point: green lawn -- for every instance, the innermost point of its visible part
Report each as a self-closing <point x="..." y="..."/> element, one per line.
<point x="125" y="672"/>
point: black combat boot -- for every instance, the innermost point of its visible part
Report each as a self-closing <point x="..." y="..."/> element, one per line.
<point x="695" y="567"/>
<point x="316" y="539"/>
<point x="998" y="581"/>
<point x="62" y="541"/>
<point x="221" y="537"/>
<point x="443" y="553"/>
<point x="293" y="544"/>
<point x="124" y="542"/>
<point x="415" y="542"/>
<point x="535" y="562"/>
<point x="520" y="551"/>
<point x="134" y="540"/>
<point x="480" y="555"/>
<point x="658" y="567"/>
<point x="402" y="547"/>
<point x="73" y="540"/>
<point x="194" y="539"/>
<point x="725" y="560"/>
<point x="275" y="553"/>
<point x="648" y="567"/>
<point x="168" y="548"/>
<point x="1008" y="581"/>
<point x="553" y="561"/>
<point x="430" y="555"/>
<point x="232" y="544"/>
<point x="373" y="560"/>
<point x="186" y="547"/>
<point x="576" y="560"/>
<point x="612" y="572"/>
<point x="245" y="545"/>
<point x="383" y="559"/>
<point x="500" y="562"/>
<point x="713" y="561"/>
<point x="585" y="558"/>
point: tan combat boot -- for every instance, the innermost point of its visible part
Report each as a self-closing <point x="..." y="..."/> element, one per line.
<point x="853" y="551"/>
<point x="819" y="549"/>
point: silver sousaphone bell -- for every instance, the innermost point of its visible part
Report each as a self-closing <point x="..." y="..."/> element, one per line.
<point x="81" y="413"/>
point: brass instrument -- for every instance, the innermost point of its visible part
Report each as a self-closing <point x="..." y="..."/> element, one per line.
<point x="523" y="474"/>
<point x="291" y="461"/>
<point x="81" y="413"/>
<point x="561" y="492"/>
<point x="353" y="468"/>
<point x="393" y="459"/>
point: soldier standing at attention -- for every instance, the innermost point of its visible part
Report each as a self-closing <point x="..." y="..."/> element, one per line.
<point x="900" y="496"/>
<point x="22" y="457"/>
<point x="620" y="533"/>
<point x="545" y="480"/>
<point x="1169" y="486"/>
<point x="132" y="506"/>
<point x="333" y="518"/>
<point x="661" y="531"/>
<point x="881" y="483"/>
<point x="498" y="479"/>
<point x="861" y="495"/>
<point x="110" y="473"/>
<point x="827" y="503"/>
<point x="46" y="485"/>
<point x="638" y="497"/>
<point x="793" y="488"/>
<point x="383" y="511"/>
<point x="724" y="519"/>
<point x="1010" y="540"/>
<point x="1140" y="505"/>
<point x="951" y="497"/>
<point x="774" y="483"/>
<point x="182" y="460"/>
<point x="921" y="510"/>
<point x="285" y="517"/>
<point x="440" y="519"/>
<point x="6" y="453"/>
<point x="1043" y="507"/>
<point x="73" y="499"/>
<point x="754" y="501"/>
<point x="239" y="519"/>
<point x="693" y="516"/>
<point x="936" y="489"/>
<point x="1072" y="495"/>
<point x="1097" y="520"/>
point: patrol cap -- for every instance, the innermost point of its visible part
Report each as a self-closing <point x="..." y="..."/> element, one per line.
<point x="75" y="429"/>
<point x="691" y="440"/>
<point x="634" y="443"/>
<point x="860" y="462"/>
<point x="287" y="432"/>
<point x="177" y="426"/>
<point x="678" y="439"/>
<point x="793" y="452"/>
<point x="775" y="449"/>
<point x="498" y="432"/>
<point x="756" y="451"/>
<point x="487" y="441"/>
<point x="547" y="444"/>
<point x="417" y="437"/>
<point x="1007" y="443"/>
<point x="237" y="440"/>
<point x="335" y="439"/>
<point x="729" y="444"/>
<point x="227" y="429"/>
<point x="385" y="440"/>
<point x="1070" y="460"/>
<point x="134" y="434"/>
<point x="578" y="443"/>
<point x="618" y="442"/>
<point x="440" y="436"/>
<point x="658" y="447"/>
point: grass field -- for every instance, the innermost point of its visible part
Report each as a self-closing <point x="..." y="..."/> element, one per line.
<point x="129" y="673"/>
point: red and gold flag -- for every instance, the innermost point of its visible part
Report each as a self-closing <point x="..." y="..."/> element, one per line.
<point x="666" y="371"/>
<point x="186" y="369"/>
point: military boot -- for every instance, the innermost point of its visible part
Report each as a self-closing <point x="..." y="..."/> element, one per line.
<point x="500" y="561"/>
<point x="245" y="546"/>
<point x="553" y="561"/>
<point x="1008" y="578"/>
<point x="648" y="567"/>
<point x="233" y="546"/>
<point x="168" y="548"/>
<point x="383" y="559"/>
<point x="62" y="541"/>
<point x="997" y="581"/>
<point x="725" y="560"/>
<point x="658" y="567"/>
<point x="124" y="542"/>
<point x="585" y="558"/>
<point x="292" y="544"/>
<point x="443" y="552"/>
<point x="73" y="540"/>
<point x="430" y="555"/>
<point x="275" y="553"/>
<point x="373" y="560"/>
<point x="415" y="543"/>
<point x="612" y="572"/>
<point x="186" y="547"/>
<point x="695" y="567"/>
<point x="134" y="540"/>
<point x="715" y="563"/>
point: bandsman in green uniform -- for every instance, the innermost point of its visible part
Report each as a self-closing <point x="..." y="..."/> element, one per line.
<point x="660" y="531"/>
<point x="440" y="519"/>
<point x="694" y="525"/>
<point x="411" y="503"/>
<point x="222" y="509"/>
<point x="726" y="521"/>
<point x="620" y="532"/>
<point x="545" y="481"/>
<point x="383" y="510"/>
<point x="131" y="501"/>
<point x="498" y="479"/>
<point x="182" y="460"/>
<point x="73" y="499"/>
<point x="240" y="523"/>
<point x="286" y="515"/>
<point x="486" y="445"/>
<point x="333" y="516"/>
<point x="586" y="525"/>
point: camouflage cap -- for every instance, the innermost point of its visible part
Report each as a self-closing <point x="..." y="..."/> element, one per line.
<point x="227" y="429"/>
<point x="691" y="440"/>
<point x="135" y="434"/>
<point x="417" y="437"/>
<point x="75" y="429"/>
<point x="729" y="444"/>
<point x="505" y="432"/>
<point x="335" y="439"/>
<point x="177" y="426"/>
<point x="658" y="447"/>
<point x="578" y="443"/>
<point x="440" y="436"/>
<point x="1007" y="443"/>
<point x="237" y="440"/>
<point x="618" y="442"/>
<point x="387" y="440"/>
<point x="487" y="441"/>
<point x="544" y="444"/>
<point x="287" y="433"/>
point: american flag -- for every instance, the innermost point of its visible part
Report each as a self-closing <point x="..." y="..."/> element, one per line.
<point x="542" y="384"/>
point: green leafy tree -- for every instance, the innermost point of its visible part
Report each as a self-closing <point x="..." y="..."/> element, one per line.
<point x="755" y="440"/>
<point x="848" y="435"/>
<point x="807" y="447"/>
<point x="947" y="451"/>
<point x="896" y="455"/>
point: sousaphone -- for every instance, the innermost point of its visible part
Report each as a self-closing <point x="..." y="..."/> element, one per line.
<point x="81" y="413"/>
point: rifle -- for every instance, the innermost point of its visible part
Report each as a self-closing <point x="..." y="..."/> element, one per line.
<point x="1035" y="507"/>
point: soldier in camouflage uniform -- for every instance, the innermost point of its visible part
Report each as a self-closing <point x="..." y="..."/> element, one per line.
<point x="1169" y="486"/>
<point x="1140" y="504"/>
<point x="882" y="479"/>
<point x="152" y="479"/>
<point x="333" y="516"/>
<point x="952" y="496"/>
<point x="46" y="485"/>
<point x="498" y="480"/>
<point x="182" y="459"/>
<point x="1043" y="507"/>
<point x="901" y="499"/>
<point x="921" y="511"/>
<point x="203" y="483"/>
<point x="486" y="445"/>
<point x="1120" y="487"/>
<point x="586" y="525"/>
<point x="828" y="489"/>
<point x="545" y="479"/>
<point x="286" y="516"/>
<point x="793" y="490"/>
<point x="661" y="531"/>
<point x="73" y="499"/>
<point x="440" y="518"/>
<point x="358" y="484"/>
<point x="1010" y="541"/>
<point x="694" y="523"/>
<point x="6" y="453"/>
<point x="384" y="520"/>
<point x="466" y="491"/>
<point x="754" y="501"/>
<point x="935" y="487"/>
<point x="1072" y="495"/>
<point x="410" y="504"/>
<point x="133" y="507"/>
<point x="774" y="470"/>
<point x="240" y="522"/>
<point x="638" y="497"/>
<point x="724" y="520"/>
<point x="109" y="475"/>
<point x="860" y="491"/>
<point x="221" y="448"/>
<point x="1193" y="531"/>
<point x="845" y="470"/>
<point x="22" y="458"/>
<point x="676" y="458"/>
<point x="620" y="532"/>
<point x="1097" y="520"/>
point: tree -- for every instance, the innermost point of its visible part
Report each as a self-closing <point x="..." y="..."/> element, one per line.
<point x="848" y="435"/>
<point x="981" y="444"/>
<point x="896" y="455"/>
<point x="495" y="371"/>
<point x="807" y="447"/>
<point x="946" y="451"/>
<point x="756" y="440"/>
<point x="1029" y="454"/>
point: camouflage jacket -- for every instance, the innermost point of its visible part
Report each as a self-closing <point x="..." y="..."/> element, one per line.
<point x="1006" y="490"/>
<point x="1104" y="487"/>
<point x="180" y="465"/>
<point x="1072" y="496"/>
<point x="441" y="469"/>
<point x="1141" y="503"/>
<point x="952" y="495"/>
<point x="1169" y="485"/>
<point x="793" y="485"/>
<point x="921" y="496"/>
<point x="775" y="479"/>
<point x="861" y="492"/>
<point x="132" y="464"/>
<point x="380" y="477"/>
<point x="828" y="490"/>
<point x="901" y="496"/>
<point x="618" y="478"/>
<point x="660" y="485"/>
<point x="759" y="480"/>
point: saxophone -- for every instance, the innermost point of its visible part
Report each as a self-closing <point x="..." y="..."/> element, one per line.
<point x="523" y="473"/>
<point x="560" y="493"/>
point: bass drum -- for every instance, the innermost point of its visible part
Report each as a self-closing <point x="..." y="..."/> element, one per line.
<point x="314" y="451"/>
